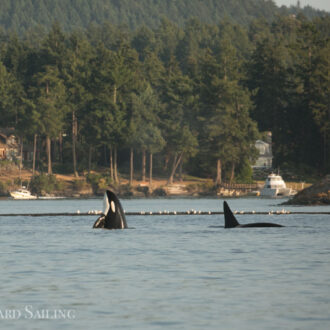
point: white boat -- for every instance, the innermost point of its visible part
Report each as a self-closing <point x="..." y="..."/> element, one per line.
<point x="275" y="186"/>
<point x="22" y="193"/>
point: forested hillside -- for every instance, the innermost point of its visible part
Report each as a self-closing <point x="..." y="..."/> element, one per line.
<point x="190" y="99"/>
<point x="23" y="15"/>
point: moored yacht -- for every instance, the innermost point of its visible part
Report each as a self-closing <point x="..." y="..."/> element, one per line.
<point x="275" y="186"/>
<point x="22" y="193"/>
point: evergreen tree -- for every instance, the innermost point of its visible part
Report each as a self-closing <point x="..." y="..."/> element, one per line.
<point x="144" y="42"/>
<point x="313" y="95"/>
<point x="229" y="132"/>
<point x="49" y="95"/>
<point x="144" y="110"/>
<point x="178" y="97"/>
<point x="113" y="75"/>
<point x="76" y="73"/>
<point x="320" y="101"/>
<point x="7" y="110"/>
<point x="269" y="81"/>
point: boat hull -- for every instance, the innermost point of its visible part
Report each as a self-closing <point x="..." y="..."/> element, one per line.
<point x="269" y="192"/>
<point x="22" y="195"/>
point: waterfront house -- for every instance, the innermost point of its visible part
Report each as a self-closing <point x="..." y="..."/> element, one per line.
<point x="265" y="159"/>
<point x="9" y="147"/>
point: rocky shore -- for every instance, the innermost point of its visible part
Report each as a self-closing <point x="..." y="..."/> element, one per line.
<point x="317" y="194"/>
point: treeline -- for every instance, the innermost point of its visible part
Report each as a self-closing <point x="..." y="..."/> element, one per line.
<point x="192" y="96"/>
<point x="26" y="15"/>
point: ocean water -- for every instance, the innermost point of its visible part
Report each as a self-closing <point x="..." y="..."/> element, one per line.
<point x="175" y="272"/>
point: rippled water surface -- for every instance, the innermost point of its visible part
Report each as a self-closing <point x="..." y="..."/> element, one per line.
<point x="178" y="272"/>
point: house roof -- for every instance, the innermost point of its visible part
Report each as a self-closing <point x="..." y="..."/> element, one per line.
<point x="3" y="138"/>
<point x="7" y="131"/>
<point x="5" y="134"/>
<point x="261" y="142"/>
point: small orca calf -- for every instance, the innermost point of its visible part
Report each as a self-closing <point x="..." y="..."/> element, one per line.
<point x="113" y="216"/>
<point x="231" y="221"/>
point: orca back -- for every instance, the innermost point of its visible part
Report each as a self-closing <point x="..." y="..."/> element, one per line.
<point x="261" y="224"/>
<point x="231" y="221"/>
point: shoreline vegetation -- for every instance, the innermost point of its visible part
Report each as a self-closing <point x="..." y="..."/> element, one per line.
<point x="95" y="183"/>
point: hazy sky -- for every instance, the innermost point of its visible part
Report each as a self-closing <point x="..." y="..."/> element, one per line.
<point x="319" y="4"/>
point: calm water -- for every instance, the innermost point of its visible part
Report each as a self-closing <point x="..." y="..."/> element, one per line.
<point x="177" y="272"/>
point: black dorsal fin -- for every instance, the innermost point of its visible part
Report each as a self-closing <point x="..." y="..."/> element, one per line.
<point x="230" y="220"/>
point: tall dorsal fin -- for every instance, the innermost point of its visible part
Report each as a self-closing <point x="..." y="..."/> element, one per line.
<point x="230" y="220"/>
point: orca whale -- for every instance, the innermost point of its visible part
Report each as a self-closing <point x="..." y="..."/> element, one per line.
<point x="113" y="216"/>
<point x="231" y="221"/>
